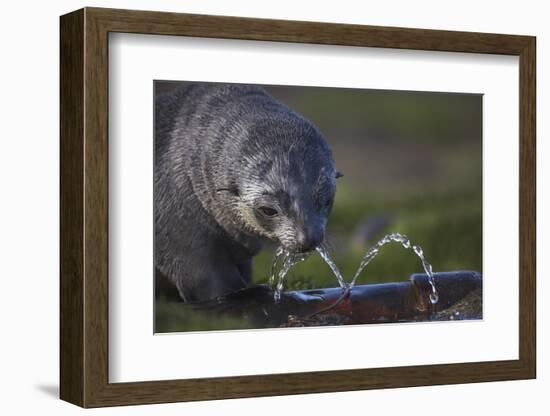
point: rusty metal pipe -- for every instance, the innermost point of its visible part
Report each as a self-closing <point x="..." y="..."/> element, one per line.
<point x="376" y="303"/>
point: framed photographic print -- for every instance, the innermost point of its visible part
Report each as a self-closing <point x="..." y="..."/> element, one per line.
<point x="256" y="207"/>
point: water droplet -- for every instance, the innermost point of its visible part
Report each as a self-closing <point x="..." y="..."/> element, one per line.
<point x="323" y="253"/>
<point x="406" y="243"/>
<point x="288" y="260"/>
<point x="278" y="255"/>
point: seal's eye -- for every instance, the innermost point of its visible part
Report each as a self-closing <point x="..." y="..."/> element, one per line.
<point x="268" y="211"/>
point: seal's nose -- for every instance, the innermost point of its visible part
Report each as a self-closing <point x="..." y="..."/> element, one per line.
<point x="309" y="240"/>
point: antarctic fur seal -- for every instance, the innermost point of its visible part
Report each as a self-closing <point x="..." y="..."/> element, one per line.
<point x="234" y="168"/>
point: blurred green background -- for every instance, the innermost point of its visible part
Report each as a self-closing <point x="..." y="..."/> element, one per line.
<point x="412" y="163"/>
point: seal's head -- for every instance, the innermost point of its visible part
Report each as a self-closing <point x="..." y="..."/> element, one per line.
<point x="288" y="188"/>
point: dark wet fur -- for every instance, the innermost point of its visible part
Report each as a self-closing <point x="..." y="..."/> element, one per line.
<point x="217" y="148"/>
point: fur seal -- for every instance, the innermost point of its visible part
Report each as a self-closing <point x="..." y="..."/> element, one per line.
<point x="234" y="168"/>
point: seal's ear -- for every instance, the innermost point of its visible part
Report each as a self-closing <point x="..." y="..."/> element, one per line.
<point x="232" y="189"/>
<point x="338" y="174"/>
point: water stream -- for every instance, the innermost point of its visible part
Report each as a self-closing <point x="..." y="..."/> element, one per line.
<point x="406" y="243"/>
<point x="290" y="259"/>
<point x="324" y="254"/>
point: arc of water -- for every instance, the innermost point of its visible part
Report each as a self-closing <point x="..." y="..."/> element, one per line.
<point x="324" y="254"/>
<point x="290" y="259"/>
<point x="406" y="243"/>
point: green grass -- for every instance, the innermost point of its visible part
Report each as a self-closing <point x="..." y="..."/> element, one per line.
<point x="171" y="317"/>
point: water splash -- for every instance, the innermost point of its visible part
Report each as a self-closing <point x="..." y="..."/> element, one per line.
<point x="324" y="254"/>
<point x="278" y="255"/>
<point x="289" y="260"/>
<point x="406" y="243"/>
<point x="434" y="296"/>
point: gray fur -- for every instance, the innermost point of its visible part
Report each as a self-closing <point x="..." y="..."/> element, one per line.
<point x="222" y="152"/>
